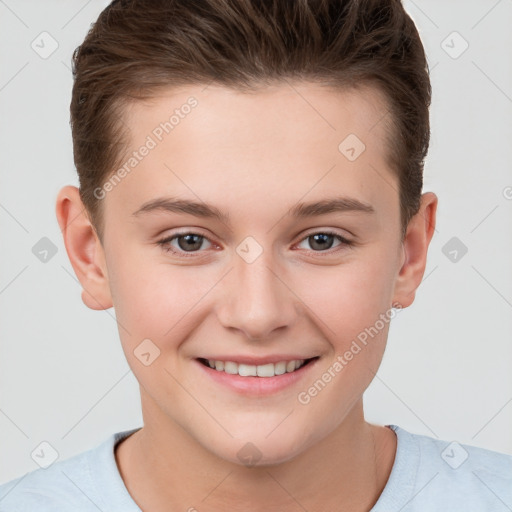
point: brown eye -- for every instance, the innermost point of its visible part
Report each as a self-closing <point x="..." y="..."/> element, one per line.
<point x="190" y="242"/>
<point x="324" y="240"/>
<point x="321" y="241"/>
<point x="186" y="243"/>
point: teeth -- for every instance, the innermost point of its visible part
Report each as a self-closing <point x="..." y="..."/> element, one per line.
<point x="230" y="367"/>
<point x="247" y="370"/>
<point x="263" y="370"/>
<point x="280" y="368"/>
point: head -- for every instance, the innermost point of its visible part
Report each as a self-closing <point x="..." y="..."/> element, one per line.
<point x="299" y="130"/>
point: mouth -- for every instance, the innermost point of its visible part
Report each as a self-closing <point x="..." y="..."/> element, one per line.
<point x="266" y="370"/>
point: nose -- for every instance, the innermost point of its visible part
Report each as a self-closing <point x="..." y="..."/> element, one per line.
<point x="257" y="300"/>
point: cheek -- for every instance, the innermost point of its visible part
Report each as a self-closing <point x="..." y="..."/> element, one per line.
<point x="347" y="298"/>
<point x="154" y="299"/>
<point x="141" y="291"/>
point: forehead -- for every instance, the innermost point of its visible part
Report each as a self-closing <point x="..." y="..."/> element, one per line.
<point x="278" y="143"/>
<point x="292" y="111"/>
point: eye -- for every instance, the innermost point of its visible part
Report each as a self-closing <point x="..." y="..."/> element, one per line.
<point x="323" y="240"/>
<point x="186" y="242"/>
<point x="189" y="242"/>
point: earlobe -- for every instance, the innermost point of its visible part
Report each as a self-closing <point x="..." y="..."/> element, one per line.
<point x="415" y="247"/>
<point x="84" y="249"/>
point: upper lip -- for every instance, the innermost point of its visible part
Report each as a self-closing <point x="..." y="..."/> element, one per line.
<point x="258" y="361"/>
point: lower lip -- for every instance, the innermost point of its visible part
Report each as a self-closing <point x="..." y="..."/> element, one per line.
<point x="257" y="385"/>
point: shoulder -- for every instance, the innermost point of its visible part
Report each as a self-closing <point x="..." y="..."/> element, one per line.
<point x="70" y="484"/>
<point x="449" y="475"/>
<point x="461" y="462"/>
<point x="50" y="489"/>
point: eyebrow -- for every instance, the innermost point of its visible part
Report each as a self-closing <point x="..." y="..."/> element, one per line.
<point x="300" y="210"/>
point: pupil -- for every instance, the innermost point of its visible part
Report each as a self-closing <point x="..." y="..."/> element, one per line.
<point x="191" y="244"/>
<point x="321" y="242"/>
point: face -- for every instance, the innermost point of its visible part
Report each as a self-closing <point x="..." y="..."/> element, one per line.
<point x="215" y="253"/>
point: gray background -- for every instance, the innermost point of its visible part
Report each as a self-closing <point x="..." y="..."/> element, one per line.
<point x="446" y="371"/>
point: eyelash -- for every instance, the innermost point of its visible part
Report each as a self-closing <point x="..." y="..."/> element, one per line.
<point x="165" y="243"/>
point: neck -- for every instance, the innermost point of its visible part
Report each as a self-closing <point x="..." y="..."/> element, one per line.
<point x="164" y="468"/>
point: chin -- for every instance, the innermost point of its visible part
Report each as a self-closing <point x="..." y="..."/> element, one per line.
<point x="254" y="450"/>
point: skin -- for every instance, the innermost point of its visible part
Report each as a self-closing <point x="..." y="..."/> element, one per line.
<point x="253" y="156"/>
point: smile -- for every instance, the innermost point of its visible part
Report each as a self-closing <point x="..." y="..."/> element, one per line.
<point x="263" y="370"/>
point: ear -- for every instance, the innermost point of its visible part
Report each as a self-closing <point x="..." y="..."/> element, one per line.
<point x="84" y="249"/>
<point x="414" y="251"/>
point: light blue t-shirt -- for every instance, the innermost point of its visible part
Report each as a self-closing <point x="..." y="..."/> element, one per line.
<point x="428" y="475"/>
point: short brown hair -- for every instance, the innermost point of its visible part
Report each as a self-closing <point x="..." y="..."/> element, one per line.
<point x="136" y="48"/>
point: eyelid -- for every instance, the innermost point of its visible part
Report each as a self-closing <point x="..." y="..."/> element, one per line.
<point x="165" y="243"/>
<point x="326" y="231"/>
<point x="344" y="241"/>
